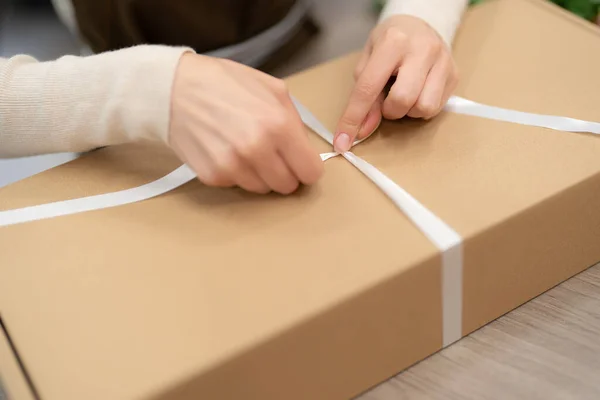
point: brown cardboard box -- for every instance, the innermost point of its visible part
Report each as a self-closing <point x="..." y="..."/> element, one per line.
<point x="13" y="382"/>
<point x="217" y="294"/>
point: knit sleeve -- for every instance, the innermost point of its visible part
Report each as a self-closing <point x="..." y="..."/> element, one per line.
<point x="443" y="15"/>
<point x="76" y="104"/>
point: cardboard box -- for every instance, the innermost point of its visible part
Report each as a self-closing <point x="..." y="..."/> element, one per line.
<point x="219" y="294"/>
<point x="13" y="381"/>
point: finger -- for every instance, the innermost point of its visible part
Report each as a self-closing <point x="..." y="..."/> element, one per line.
<point x="259" y="148"/>
<point x="228" y="166"/>
<point x="409" y="84"/>
<point x="248" y="179"/>
<point x="201" y="163"/>
<point x="274" y="172"/>
<point x="304" y="162"/>
<point x="451" y="85"/>
<point x="295" y="148"/>
<point x="362" y="63"/>
<point x="381" y="65"/>
<point x="208" y="173"/>
<point x="373" y="118"/>
<point x="430" y="99"/>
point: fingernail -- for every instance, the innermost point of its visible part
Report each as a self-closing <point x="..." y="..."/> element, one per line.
<point x="342" y="143"/>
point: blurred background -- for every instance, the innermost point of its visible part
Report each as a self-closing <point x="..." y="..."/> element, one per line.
<point x="33" y="27"/>
<point x="336" y="27"/>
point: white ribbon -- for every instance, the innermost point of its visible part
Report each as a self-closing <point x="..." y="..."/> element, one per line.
<point x="439" y="233"/>
<point x="460" y="105"/>
<point x="160" y="186"/>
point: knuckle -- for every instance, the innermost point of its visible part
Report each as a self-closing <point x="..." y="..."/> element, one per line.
<point x="434" y="46"/>
<point x="276" y="123"/>
<point x="267" y="132"/>
<point x="279" y="87"/>
<point x="252" y="148"/>
<point x="402" y="100"/>
<point x="254" y="145"/>
<point x="427" y="109"/>
<point x="396" y="37"/>
<point x="387" y="114"/>
<point x="213" y="177"/>
<point x="365" y="89"/>
<point x="228" y="163"/>
<point x="350" y="122"/>
<point x="429" y="49"/>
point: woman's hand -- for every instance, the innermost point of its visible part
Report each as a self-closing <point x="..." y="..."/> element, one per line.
<point x="236" y="126"/>
<point x="410" y="49"/>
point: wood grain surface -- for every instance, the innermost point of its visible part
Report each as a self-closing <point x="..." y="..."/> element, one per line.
<point x="548" y="348"/>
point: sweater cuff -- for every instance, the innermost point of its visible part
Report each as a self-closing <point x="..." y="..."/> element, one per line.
<point x="141" y="88"/>
<point x="444" y="16"/>
<point x="76" y="104"/>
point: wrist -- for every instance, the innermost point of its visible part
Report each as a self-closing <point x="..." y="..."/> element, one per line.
<point x="443" y="16"/>
<point x="149" y="84"/>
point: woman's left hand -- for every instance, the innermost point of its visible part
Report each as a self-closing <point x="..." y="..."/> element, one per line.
<point x="408" y="48"/>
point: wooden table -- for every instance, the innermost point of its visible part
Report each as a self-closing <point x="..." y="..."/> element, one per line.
<point x="548" y="348"/>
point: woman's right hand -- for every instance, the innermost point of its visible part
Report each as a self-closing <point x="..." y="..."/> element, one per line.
<point x="236" y="126"/>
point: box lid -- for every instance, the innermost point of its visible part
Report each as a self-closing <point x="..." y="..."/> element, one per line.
<point x="316" y="295"/>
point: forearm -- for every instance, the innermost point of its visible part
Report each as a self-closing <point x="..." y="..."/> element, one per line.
<point x="443" y="15"/>
<point x="80" y="103"/>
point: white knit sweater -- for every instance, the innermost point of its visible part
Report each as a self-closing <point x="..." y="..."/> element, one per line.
<point x="75" y="104"/>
